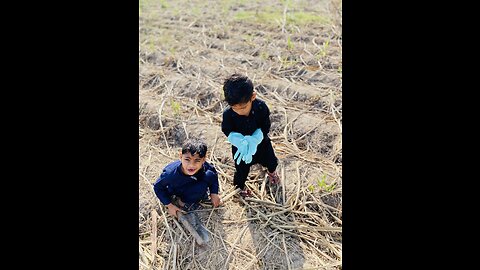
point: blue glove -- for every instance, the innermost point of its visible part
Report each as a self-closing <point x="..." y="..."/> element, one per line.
<point x="238" y="140"/>
<point x="253" y="142"/>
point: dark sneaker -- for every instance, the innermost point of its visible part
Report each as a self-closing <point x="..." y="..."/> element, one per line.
<point x="273" y="177"/>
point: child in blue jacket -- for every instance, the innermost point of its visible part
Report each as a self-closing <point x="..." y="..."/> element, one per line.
<point x="188" y="180"/>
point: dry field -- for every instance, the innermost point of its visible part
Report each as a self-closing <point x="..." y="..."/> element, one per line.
<point x="292" y="51"/>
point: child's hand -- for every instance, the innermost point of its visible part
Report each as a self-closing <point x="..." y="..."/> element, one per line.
<point x="238" y="140"/>
<point x="251" y="149"/>
<point x="246" y="145"/>
<point x="253" y="142"/>
<point x="242" y="150"/>
<point x="172" y="209"/>
<point x="215" y="199"/>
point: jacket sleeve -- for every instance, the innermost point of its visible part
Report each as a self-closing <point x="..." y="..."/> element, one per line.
<point x="161" y="188"/>
<point x="212" y="179"/>
<point x="227" y="123"/>
<point x="264" y="121"/>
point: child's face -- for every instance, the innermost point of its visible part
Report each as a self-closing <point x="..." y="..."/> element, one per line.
<point x="191" y="164"/>
<point x="244" y="108"/>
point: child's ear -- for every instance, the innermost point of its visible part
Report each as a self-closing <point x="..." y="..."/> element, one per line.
<point x="254" y="95"/>
<point x="180" y="155"/>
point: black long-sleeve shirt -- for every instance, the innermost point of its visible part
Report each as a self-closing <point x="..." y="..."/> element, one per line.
<point x="259" y="117"/>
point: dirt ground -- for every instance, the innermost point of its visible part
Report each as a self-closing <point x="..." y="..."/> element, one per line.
<point x="292" y="51"/>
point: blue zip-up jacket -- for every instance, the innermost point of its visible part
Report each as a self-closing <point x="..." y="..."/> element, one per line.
<point x="190" y="189"/>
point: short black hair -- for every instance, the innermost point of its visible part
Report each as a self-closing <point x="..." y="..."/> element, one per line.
<point x="193" y="146"/>
<point x="237" y="89"/>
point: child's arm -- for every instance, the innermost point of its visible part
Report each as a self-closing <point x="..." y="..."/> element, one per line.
<point x="227" y="125"/>
<point x="235" y="138"/>
<point x="265" y="123"/>
<point x="173" y="209"/>
<point x="215" y="199"/>
<point x="212" y="180"/>
<point x="160" y="188"/>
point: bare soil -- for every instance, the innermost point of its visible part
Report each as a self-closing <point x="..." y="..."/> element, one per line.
<point x="292" y="51"/>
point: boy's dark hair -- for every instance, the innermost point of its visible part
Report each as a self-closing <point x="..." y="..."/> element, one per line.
<point x="237" y="89"/>
<point x="193" y="146"/>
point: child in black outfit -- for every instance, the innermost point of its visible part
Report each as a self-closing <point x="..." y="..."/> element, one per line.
<point x="246" y="123"/>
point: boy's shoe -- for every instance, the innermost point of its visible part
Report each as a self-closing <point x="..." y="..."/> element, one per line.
<point x="273" y="177"/>
<point x="246" y="193"/>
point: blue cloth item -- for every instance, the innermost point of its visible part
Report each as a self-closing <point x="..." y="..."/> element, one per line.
<point x="190" y="189"/>
<point x="253" y="142"/>
<point x="238" y="140"/>
<point x="258" y="134"/>
<point x="246" y="125"/>
<point x="258" y="118"/>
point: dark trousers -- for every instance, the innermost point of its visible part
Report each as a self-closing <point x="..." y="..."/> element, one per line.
<point x="264" y="155"/>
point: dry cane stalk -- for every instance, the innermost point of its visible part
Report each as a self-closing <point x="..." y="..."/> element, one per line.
<point x="179" y="227"/>
<point x="174" y="256"/>
<point x="190" y="228"/>
<point x="154" y="235"/>
<point x="286" y="252"/>
<point x="298" y="185"/>
<point x="161" y="125"/>
<point x="231" y="194"/>
<point x="144" y="258"/>
<point x="234" y="244"/>
<point x="283" y="185"/>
